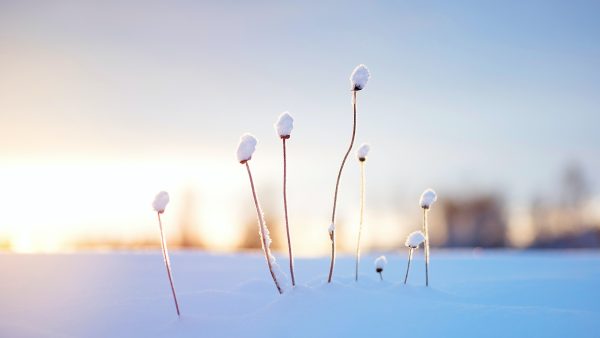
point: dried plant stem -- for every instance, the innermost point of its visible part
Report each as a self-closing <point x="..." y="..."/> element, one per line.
<point x="287" y="226"/>
<point x="426" y="231"/>
<point x="362" y="214"/>
<point x="165" y="253"/>
<point x="263" y="236"/>
<point x="410" y="254"/>
<point x="337" y="185"/>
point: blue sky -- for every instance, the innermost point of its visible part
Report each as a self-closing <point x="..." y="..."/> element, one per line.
<point x="464" y="96"/>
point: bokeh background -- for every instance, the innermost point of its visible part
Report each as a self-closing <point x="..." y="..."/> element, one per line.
<point x="495" y="105"/>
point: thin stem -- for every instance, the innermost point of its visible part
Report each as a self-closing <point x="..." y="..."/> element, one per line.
<point x="426" y="228"/>
<point x="380" y="276"/>
<point x="262" y="230"/>
<point x="362" y="212"/>
<point x="410" y="254"/>
<point x="332" y="237"/>
<point x="165" y="253"/>
<point x="337" y="185"/>
<point x="287" y="226"/>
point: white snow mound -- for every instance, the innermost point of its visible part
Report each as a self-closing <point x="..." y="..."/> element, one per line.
<point x="363" y="151"/>
<point x="284" y="125"/>
<point x="380" y="263"/>
<point x="428" y="198"/>
<point x="160" y="201"/>
<point x="331" y="228"/>
<point x="414" y="239"/>
<point x="246" y="147"/>
<point x="360" y="76"/>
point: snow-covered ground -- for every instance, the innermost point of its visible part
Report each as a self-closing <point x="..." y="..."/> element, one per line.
<point x="472" y="294"/>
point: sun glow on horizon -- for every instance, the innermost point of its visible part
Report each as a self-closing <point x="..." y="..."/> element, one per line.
<point x="49" y="207"/>
<point x="52" y="207"/>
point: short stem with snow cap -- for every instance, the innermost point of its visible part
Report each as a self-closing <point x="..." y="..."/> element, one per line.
<point x="165" y="252"/>
<point x="263" y="235"/>
<point x="337" y="185"/>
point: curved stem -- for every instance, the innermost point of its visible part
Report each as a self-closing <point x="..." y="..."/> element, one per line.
<point x="362" y="213"/>
<point x="337" y="185"/>
<point x="263" y="238"/>
<point x="426" y="229"/>
<point x="165" y="252"/>
<point x="287" y="226"/>
<point x="410" y="253"/>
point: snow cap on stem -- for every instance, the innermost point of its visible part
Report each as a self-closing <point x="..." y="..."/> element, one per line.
<point x="363" y="151"/>
<point x="160" y="202"/>
<point x="360" y="76"/>
<point x="428" y="198"/>
<point x="414" y="239"/>
<point x="246" y="147"/>
<point x="331" y="229"/>
<point x="284" y="125"/>
<point x="380" y="263"/>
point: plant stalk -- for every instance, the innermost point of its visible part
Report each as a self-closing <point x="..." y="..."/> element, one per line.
<point x="337" y="185"/>
<point x="362" y="213"/>
<point x="287" y="226"/>
<point x="410" y="254"/>
<point x="262" y="231"/>
<point x="165" y="253"/>
<point x="426" y="230"/>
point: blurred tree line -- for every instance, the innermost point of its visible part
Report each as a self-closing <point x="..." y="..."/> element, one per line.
<point x="557" y="220"/>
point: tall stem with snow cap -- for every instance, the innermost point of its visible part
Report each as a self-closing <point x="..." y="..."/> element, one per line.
<point x="283" y="127"/>
<point x="262" y="230"/>
<point x="245" y="150"/>
<point x="358" y="80"/>
<point x="427" y="199"/>
<point x="159" y="205"/>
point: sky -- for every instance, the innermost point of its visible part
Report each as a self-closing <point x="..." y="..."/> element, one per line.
<point x="105" y="103"/>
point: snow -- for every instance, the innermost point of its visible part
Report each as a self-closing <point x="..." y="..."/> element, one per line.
<point x="160" y="202"/>
<point x="414" y="239"/>
<point x="360" y="76"/>
<point x="427" y="199"/>
<point x="246" y="147"/>
<point x="263" y="230"/>
<point x="475" y="293"/>
<point x="331" y="229"/>
<point x="380" y="263"/>
<point x="284" y="125"/>
<point x="363" y="151"/>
